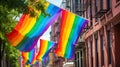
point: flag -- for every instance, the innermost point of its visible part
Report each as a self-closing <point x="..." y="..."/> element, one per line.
<point x="29" y="57"/>
<point x="70" y="30"/>
<point x="45" y="47"/>
<point x="28" y="30"/>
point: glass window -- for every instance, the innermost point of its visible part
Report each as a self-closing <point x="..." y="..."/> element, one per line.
<point x="75" y="60"/>
<point x="91" y="23"/>
<point x="96" y="44"/>
<point x="96" y="5"/>
<point x="91" y="53"/>
<point x="76" y="4"/>
<point x="78" y="59"/>
<point x="86" y="9"/>
<point x="102" y="48"/>
<point x="96" y="9"/>
<point x="87" y="13"/>
<point x="101" y="4"/>
<point x="109" y="38"/>
<point x="81" y="58"/>
<point x="108" y="4"/>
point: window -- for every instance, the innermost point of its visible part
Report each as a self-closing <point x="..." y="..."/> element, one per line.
<point x="87" y="13"/>
<point x="86" y="3"/>
<point x="73" y="5"/>
<point x="86" y="8"/>
<point x="76" y="4"/>
<point x="96" y="44"/>
<point x="96" y="5"/>
<point x="102" y="48"/>
<point x="82" y="5"/>
<point x="96" y="9"/>
<point x="109" y="46"/>
<point x="78" y="59"/>
<point x="75" y="60"/>
<point x="91" y="13"/>
<point x="101" y="4"/>
<point x="81" y="58"/>
<point x="108" y="4"/>
<point x="87" y="26"/>
<point x="79" y="7"/>
<point x="91" y="53"/>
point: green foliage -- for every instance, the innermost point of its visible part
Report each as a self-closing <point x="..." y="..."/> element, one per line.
<point x="12" y="54"/>
<point x="10" y="11"/>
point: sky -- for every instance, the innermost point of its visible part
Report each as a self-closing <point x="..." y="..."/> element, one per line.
<point x="55" y="2"/>
<point x="46" y="35"/>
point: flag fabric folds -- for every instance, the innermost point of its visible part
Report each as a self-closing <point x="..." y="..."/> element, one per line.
<point x="71" y="27"/>
<point x="45" y="47"/>
<point x="28" y="30"/>
<point x="29" y="57"/>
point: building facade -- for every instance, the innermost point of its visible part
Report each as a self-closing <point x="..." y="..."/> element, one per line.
<point x="101" y="35"/>
<point x="102" y="32"/>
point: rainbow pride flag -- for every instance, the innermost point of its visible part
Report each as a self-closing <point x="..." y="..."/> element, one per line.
<point x="70" y="30"/>
<point x="45" y="47"/>
<point x="29" y="57"/>
<point x="28" y="30"/>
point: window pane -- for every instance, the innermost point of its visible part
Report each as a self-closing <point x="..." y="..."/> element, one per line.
<point x="96" y="5"/>
<point x="78" y="58"/>
<point x="109" y="4"/>
<point x="96" y="44"/>
<point x="109" y="46"/>
<point x="91" y="13"/>
<point x="101" y="4"/>
<point x="81" y="58"/>
<point x="102" y="48"/>
<point x="76" y="4"/>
